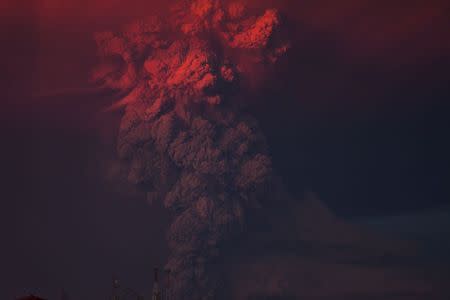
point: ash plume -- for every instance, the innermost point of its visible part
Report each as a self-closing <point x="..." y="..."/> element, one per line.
<point x="183" y="137"/>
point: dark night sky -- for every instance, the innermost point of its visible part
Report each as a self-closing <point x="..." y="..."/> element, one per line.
<point x="359" y="114"/>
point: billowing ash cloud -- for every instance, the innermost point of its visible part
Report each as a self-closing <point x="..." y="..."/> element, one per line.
<point x="183" y="138"/>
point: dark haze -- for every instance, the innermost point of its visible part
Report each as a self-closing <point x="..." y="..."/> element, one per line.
<point x="361" y="117"/>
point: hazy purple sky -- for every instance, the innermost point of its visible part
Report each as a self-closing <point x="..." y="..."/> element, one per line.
<point x="359" y="118"/>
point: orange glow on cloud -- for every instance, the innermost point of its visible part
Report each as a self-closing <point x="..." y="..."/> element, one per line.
<point x="384" y="33"/>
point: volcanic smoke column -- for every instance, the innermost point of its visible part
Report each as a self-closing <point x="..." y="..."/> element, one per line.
<point x="183" y="137"/>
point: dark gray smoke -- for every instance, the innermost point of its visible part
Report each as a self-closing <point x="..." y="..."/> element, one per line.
<point x="183" y="137"/>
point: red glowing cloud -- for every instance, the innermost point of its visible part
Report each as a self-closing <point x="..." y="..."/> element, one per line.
<point x="384" y="34"/>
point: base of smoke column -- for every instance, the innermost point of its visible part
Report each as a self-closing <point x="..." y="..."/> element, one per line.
<point x="315" y="255"/>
